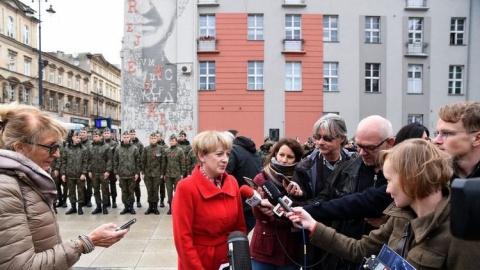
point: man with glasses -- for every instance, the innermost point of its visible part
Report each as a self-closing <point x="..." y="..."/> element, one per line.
<point x="458" y="132"/>
<point x="73" y="171"/>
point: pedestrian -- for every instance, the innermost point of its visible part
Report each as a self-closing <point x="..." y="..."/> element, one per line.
<point x="73" y="171"/>
<point x="99" y="171"/>
<point x="29" y="234"/>
<point x="174" y="169"/>
<point x="153" y="164"/>
<point x="127" y="167"/>
<point x="208" y="206"/>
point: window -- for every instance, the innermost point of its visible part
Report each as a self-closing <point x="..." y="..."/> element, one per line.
<point x="372" y="78"/>
<point x="207" y="75"/>
<point x="50" y="103"/>
<point x="69" y="81"/>
<point x="26" y="34"/>
<point x="293" y="76"/>
<point x="372" y="29"/>
<point x="255" y="75"/>
<point x="457" y="31"/>
<point x="415" y="30"/>
<point x="12" y="94"/>
<point x="77" y="84"/>
<point x="85" y="109"/>
<point x="10" y="27"/>
<point x="11" y="62"/>
<point x="85" y="86"/>
<point x="330" y="28"/>
<point x="455" y="80"/>
<point x="293" y="27"/>
<point x="415" y="118"/>
<point x="255" y="27"/>
<point x="414" y="84"/>
<point x="330" y="76"/>
<point x="27" y="67"/>
<point x="207" y="26"/>
<point x="60" y="78"/>
<point x="51" y="77"/>
<point x="26" y="97"/>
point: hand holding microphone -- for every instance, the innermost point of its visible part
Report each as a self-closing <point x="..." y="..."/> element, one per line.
<point x="254" y="199"/>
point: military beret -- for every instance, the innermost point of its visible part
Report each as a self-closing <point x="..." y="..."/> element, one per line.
<point x="97" y="132"/>
<point x="153" y="135"/>
<point x="126" y="133"/>
<point x="132" y="130"/>
<point x="106" y="129"/>
<point x="84" y="128"/>
<point x="182" y="133"/>
<point x="76" y="133"/>
<point x="158" y="132"/>
<point x="173" y="137"/>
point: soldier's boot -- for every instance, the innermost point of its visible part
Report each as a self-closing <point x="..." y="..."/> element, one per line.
<point x="132" y="209"/>
<point x="97" y="210"/>
<point x="149" y="210"/>
<point x="105" y="211"/>
<point x="114" y="203"/>
<point x="72" y="210"/>
<point x="155" y="209"/>
<point x="64" y="204"/>
<point x="169" y="209"/>
<point x="88" y="204"/>
<point x="161" y="203"/>
<point x="138" y="202"/>
<point x="126" y="209"/>
<point x="59" y="203"/>
<point x="80" y="210"/>
<point x="55" y="209"/>
<point x="108" y="204"/>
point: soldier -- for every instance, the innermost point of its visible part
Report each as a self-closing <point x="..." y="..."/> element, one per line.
<point x="153" y="162"/>
<point x="61" y="198"/>
<point x="161" y="187"/>
<point x="126" y="167"/>
<point x="86" y="142"/>
<point x="135" y="141"/>
<point x="99" y="170"/>
<point x="160" y="140"/>
<point x="183" y="142"/>
<point x="190" y="161"/>
<point x="73" y="170"/>
<point x="107" y="137"/>
<point x="174" y="169"/>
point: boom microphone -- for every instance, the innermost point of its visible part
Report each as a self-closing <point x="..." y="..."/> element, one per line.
<point x="253" y="198"/>
<point x="274" y="195"/>
<point x="238" y="251"/>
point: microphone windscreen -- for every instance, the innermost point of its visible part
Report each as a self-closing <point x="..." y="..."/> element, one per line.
<point x="238" y="251"/>
<point x="272" y="192"/>
<point x="246" y="191"/>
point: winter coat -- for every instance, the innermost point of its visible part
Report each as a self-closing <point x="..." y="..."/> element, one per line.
<point x="74" y="161"/>
<point x="29" y="233"/>
<point x="138" y="144"/>
<point x="203" y="217"/>
<point x="153" y="160"/>
<point x="101" y="158"/>
<point x="126" y="161"/>
<point x="430" y="245"/>
<point x="185" y="145"/>
<point x="273" y="236"/>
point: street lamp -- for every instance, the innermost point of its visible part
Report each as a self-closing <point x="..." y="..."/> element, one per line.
<point x="30" y="12"/>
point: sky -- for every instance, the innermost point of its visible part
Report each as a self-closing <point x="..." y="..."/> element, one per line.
<point x="94" y="26"/>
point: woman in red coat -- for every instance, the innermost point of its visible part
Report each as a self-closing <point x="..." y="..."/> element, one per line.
<point x="208" y="206"/>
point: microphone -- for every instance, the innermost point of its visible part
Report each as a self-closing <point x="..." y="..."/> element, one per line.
<point x="275" y="197"/>
<point x="253" y="198"/>
<point x="238" y="251"/>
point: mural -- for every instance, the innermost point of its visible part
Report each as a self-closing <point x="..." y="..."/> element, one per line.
<point x="155" y="94"/>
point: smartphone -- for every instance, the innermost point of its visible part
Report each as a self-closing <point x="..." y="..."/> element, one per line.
<point x="126" y="225"/>
<point x="250" y="182"/>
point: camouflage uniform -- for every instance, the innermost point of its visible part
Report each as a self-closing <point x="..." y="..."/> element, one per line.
<point x="174" y="169"/>
<point x="61" y="186"/>
<point x="74" y="163"/>
<point x="162" y="180"/>
<point x="100" y="162"/>
<point x="153" y="164"/>
<point x="140" y="148"/>
<point x="126" y="163"/>
<point x="88" y="189"/>
<point x="113" y="181"/>
<point x="190" y="161"/>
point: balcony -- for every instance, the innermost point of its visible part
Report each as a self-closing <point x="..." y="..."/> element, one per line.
<point x="416" y="5"/>
<point x="207" y="44"/>
<point x="208" y="3"/>
<point x="417" y="49"/>
<point x="294" y="3"/>
<point x="293" y="46"/>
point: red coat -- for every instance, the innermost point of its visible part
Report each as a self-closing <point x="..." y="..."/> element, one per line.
<point x="203" y="216"/>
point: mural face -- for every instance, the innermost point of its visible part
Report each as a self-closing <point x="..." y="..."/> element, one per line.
<point x="154" y="97"/>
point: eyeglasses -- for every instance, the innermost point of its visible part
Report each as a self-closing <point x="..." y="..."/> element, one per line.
<point x="444" y="134"/>
<point x="52" y="149"/>
<point x="369" y="148"/>
<point x="326" y="138"/>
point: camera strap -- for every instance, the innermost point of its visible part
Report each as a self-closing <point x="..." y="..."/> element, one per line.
<point x="402" y="245"/>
